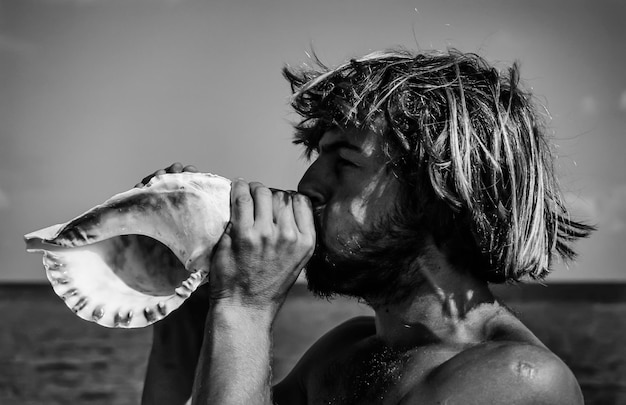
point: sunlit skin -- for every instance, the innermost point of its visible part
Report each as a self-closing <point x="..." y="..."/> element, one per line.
<point x="448" y="342"/>
<point x="349" y="186"/>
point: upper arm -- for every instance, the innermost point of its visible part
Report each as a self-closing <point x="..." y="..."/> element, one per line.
<point x="292" y="390"/>
<point x="512" y="374"/>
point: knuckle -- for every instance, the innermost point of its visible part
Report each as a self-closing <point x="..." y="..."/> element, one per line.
<point x="262" y="191"/>
<point x="307" y="242"/>
<point x="266" y="235"/>
<point x="279" y="194"/>
<point x="289" y="235"/>
<point x="240" y="183"/>
<point x="309" y="247"/>
<point x="241" y="193"/>
<point x="244" y="237"/>
<point x="243" y="199"/>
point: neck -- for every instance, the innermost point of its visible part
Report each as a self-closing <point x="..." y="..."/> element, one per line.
<point x="450" y="306"/>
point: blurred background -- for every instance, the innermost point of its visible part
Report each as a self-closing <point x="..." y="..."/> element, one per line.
<point x="96" y="94"/>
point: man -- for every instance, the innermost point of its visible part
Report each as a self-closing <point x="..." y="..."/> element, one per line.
<point x="431" y="178"/>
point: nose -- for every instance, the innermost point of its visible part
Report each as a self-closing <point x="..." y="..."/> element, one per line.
<point x="313" y="185"/>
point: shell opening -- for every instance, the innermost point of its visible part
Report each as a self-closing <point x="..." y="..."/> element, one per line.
<point x="124" y="281"/>
<point x="129" y="262"/>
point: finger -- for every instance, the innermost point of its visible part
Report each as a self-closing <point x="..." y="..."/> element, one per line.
<point x="242" y="206"/>
<point x="282" y="209"/>
<point x="303" y="214"/>
<point x="226" y="240"/>
<point x="175" y="168"/>
<point x="262" y="196"/>
<point x="190" y="168"/>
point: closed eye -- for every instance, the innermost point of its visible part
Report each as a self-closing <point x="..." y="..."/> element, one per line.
<point x="345" y="161"/>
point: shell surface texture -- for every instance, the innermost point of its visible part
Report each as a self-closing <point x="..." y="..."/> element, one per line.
<point x="134" y="259"/>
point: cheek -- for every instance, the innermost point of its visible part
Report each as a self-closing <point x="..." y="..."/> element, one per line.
<point x="358" y="210"/>
<point x="339" y="224"/>
<point x="371" y="201"/>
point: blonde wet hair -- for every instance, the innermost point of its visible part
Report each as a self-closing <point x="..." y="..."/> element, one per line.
<point x="467" y="142"/>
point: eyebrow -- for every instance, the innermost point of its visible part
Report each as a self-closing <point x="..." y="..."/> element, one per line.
<point x="334" y="146"/>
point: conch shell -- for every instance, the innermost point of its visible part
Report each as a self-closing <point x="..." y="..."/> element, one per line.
<point x="135" y="258"/>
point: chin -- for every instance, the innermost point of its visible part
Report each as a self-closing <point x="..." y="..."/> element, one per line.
<point x="343" y="273"/>
<point x="319" y="273"/>
<point x="369" y="267"/>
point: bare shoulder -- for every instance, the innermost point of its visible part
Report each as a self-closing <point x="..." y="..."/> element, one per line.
<point x="339" y="338"/>
<point x="505" y="373"/>
<point x="291" y="390"/>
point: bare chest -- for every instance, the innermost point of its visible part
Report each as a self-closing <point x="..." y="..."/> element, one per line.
<point x="378" y="376"/>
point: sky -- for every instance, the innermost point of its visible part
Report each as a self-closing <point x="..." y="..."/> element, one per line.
<point x="96" y="94"/>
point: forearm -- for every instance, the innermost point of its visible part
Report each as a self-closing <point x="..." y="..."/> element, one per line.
<point x="234" y="364"/>
<point x="270" y="238"/>
<point x="177" y="340"/>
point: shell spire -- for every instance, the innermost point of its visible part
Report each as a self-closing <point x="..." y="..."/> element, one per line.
<point x="134" y="259"/>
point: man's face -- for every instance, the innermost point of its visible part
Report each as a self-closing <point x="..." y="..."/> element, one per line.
<point x="353" y="194"/>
